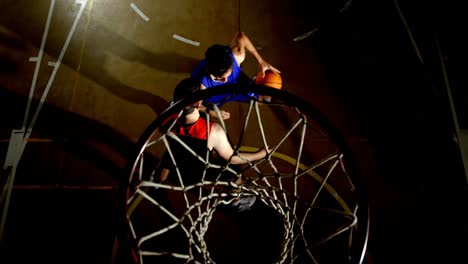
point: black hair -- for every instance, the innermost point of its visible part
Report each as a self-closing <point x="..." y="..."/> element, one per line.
<point x="218" y="59"/>
<point x="186" y="87"/>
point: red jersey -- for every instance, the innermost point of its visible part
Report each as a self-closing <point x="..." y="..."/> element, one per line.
<point x="197" y="130"/>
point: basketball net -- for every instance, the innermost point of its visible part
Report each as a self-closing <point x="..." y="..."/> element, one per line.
<point x="303" y="183"/>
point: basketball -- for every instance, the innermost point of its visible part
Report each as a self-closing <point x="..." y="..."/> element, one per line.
<point x="271" y="79"/>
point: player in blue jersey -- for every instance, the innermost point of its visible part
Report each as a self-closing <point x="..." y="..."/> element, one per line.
<point x="222" y="65"/>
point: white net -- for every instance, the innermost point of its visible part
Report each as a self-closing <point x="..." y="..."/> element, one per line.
<point x="299" y="204"/>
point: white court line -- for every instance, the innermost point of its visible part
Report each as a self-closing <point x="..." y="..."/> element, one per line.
<point x="51" y="63"/>
<point x="52" y="76"/>
<point x="11" y="178"/>
<point x="33" y="59"/>
<point x="188" y="41"/>
<point x="301" y="37"/>
<point x="139" y="12"/>
<point x="38" y="64"/>
<point x="7" y="189"/>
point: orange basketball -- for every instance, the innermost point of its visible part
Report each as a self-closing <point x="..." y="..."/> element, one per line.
<point x="271" y="79"/>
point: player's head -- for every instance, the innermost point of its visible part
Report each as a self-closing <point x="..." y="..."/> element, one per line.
<point x="218" y="62"/>
<point x="187" y="87"/>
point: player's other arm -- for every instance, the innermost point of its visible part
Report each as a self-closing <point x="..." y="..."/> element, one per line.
<point x="242" y="42"/>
